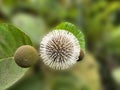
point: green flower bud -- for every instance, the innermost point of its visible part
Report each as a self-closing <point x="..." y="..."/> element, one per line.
<point x="81" y="56"/>
<point x="26" y="56"/>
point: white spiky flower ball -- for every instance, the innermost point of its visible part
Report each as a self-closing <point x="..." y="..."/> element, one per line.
<point x="59" y="49"/>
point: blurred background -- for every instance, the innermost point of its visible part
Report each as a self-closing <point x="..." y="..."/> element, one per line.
<point x="99" y="20"/>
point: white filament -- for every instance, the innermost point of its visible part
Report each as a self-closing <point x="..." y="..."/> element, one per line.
<point x="59" y="49"/>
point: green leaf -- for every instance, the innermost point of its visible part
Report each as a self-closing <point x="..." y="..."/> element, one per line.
<point x="10" y="73"/>
<point x="32" y="81"/>
<point x="35" y="27"/>
<point x="75" y="31"/>
<point x="10" y="39"/>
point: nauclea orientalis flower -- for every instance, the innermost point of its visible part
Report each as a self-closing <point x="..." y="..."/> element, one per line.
<point x="60" y="49"/>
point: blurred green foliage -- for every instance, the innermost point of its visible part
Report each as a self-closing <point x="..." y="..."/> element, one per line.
<point x="10" y="72"/>
<point x="99" y="20"/>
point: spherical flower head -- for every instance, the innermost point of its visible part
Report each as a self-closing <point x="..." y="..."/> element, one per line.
<point x="59" y="49"/>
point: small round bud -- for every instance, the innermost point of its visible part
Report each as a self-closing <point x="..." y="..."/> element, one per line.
<point x="81" y="56"/>
<point x="59" y="49"/>
<point x="26" y="56"/>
